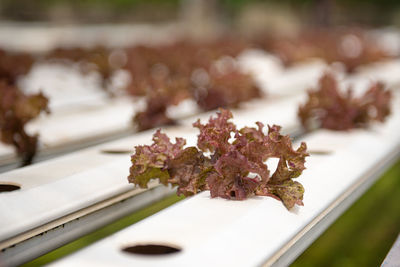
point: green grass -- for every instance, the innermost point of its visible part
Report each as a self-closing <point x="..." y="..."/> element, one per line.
<point x="364" y="234"/>
<point x="103" y="232"/>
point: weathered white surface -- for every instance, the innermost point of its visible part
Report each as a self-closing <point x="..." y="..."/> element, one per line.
<point x="281" y="111"/>
<point x="274" y="79"/>
<point x="65" y="85"/>
<point x="87" y="123"/>
<point x="393" y="257"/>
<point x="263" y="66"/>
<point x="80" y="110"/>
<point x="298" y="78"/>
<point x="388" y="38"/>
<point x="187" y="108"/>
<point x="44" y="239"/>
<point x="6" y="152"/>
<point x="386" y="71"/>
<point x="61" y="186"/>
<point x="217" y="232"/>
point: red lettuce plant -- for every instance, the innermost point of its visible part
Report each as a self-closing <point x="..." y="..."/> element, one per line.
<point x="352" y="48"/>
<point x="155" y="113"/>
<point x="164" y="75"/>
<point x="227" y="89"/>
<point x="12" y="65"/>
<point x="227" y="161"/>
<point x="328" y="108"/>
<point x="169" y="74"/>
<point x="16" y="109"/>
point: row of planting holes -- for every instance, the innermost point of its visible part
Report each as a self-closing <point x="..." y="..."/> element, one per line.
<point x="147" y="249"/>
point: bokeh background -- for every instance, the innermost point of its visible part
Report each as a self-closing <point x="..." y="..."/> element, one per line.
<point x="365" y="233"/>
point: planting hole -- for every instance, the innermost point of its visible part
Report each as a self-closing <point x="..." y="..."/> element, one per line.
<point x="8" y="187"/>
<point x="116" y="151"/>
<point x="151" y="249"/>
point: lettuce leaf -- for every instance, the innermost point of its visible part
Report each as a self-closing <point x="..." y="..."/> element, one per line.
<point x="327" y="108"/>
<point x="17" y="109"/>
<point x="227" y="161"/>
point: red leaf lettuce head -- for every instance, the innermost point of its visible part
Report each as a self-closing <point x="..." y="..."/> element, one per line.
<point x="214" y="136"/>
<point x="228" y="162"/>
<point x="17" y="109"/>
<point x="327" y="108"/>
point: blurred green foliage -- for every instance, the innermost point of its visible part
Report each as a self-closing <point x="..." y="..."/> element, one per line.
<point x="376" y="2"/>
<point x="226" y="3"/>
<point x="378" y="12"/>
<point x="116" y="3"/>
<point x="364" y="234"/>
<point x="88" y="11"/>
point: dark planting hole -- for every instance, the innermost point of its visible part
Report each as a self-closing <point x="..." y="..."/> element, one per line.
<point x="8" y="187"/>
<point x="116" y="151"/>
<point x="151" y="249"/>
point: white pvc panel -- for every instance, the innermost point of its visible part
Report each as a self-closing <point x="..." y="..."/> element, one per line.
<point x="64" y="84"/>
<point x="81" y="111"/>
<point x="392" y="259"/>
<point x="70" y="92"/>
<point x="6" y="152"/>
<point x="218" y="232"/>
<point x="274" y="79"/>
<point x="87" y="124"/>
<point x="61" y="186"/>
<point x="386" y="71"/>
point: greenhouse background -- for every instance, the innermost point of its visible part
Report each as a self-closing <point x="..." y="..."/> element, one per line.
<point x="364" y="234"/>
